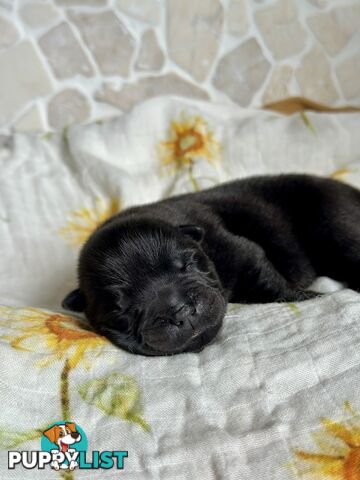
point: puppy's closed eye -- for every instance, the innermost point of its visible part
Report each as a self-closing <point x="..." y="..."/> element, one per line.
<point x="189" y="265"/>
<point x="118" y="320"/>
<point x="178" y="264"/>
<point x="184" y="265"/>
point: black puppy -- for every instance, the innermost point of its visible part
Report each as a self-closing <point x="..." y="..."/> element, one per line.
<point x="156" y="279"/>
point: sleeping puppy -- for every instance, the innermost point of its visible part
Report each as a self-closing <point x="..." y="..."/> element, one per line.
<point x="156" y="279"/>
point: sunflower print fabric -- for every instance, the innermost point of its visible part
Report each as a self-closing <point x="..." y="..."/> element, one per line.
<point x="59" y="336"/>
<point x="65" y="340"/>
<point x="83" y="221"/>
<point x="189" y="140"/>
<point x="275" y="397"/>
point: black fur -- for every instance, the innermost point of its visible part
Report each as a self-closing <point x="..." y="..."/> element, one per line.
<point x="156" y="279"/>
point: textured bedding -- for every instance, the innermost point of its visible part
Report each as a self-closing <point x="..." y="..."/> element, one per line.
<point x="275" y="397"/>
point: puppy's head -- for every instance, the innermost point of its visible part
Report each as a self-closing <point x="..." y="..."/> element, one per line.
<point x="149" y="287"/>
<point x="63" y="435"/>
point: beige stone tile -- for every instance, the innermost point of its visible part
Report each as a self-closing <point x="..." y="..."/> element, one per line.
<point x="279" y="85"/>
<point x="281" y="30"/>
<point x="108" y="39"/>
<point x="150" y="56"/>
<point x="241" y="72"/>
<point x="30" y="121"/>
<point x="194" y="30"/>
<point x="348" y="73"/>
<point x="145" y="10"/>
<point x="91" y="3"/>
<point x="314" y="77"/>
<point x="334" y="29"/>
<point x="36" y="14"/>
<point x="7" y="5"/>
<point x="237" y="18"/>
<point x="9" y="33"/>
<point x="319" y="3"/>
<point x="133" y="93"/>
<point x="64" y="53"/>
<point x="100" y="38"/>
<point x="23" y="78"/>
<point x="68" y="107"/>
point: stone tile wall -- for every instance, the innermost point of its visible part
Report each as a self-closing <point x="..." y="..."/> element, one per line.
<point x="65" y="61"/>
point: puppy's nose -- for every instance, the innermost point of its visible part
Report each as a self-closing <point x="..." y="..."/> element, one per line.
<point x="174" y="305"/>
<point x="75" y="435"/>
<point x="177" y="316"/>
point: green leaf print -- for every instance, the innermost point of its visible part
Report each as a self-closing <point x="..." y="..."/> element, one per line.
<point x="116" y="395"/>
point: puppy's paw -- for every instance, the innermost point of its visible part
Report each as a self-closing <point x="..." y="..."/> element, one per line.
<point x="55" y="465"/>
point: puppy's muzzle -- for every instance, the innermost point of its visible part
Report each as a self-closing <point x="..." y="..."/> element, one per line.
<point x="172" y="312"/>
<point x="172" y="305"/>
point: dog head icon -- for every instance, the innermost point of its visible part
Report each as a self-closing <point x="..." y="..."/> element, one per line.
<point x="63" y="435"/>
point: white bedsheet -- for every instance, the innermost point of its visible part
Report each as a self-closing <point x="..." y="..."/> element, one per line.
<point x="250" y="406"/>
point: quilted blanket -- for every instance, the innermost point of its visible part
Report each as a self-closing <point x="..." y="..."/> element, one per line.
<point x="275" y="397"/>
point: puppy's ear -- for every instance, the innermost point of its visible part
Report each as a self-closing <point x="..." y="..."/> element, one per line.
<point x="74" y="301"/>
<point x="51" y="433"/>
<point x="193" y="231"/>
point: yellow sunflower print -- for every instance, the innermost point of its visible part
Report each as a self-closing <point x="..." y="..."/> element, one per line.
<point x="338" y="457"/>
<point x="189" y="139"/>
<point x="341" y="173"/>
<point x="84" y="221"/>
<point x="61" y="336"/>
<point x="68" y="340"/>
